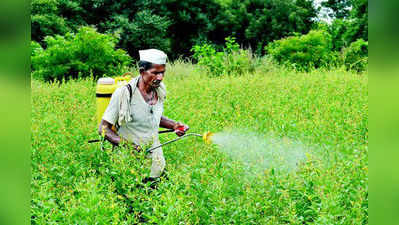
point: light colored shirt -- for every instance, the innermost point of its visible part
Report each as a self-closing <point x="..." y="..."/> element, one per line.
<point x="142" y="129"/>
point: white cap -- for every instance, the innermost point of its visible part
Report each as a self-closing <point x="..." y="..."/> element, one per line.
<point x="153" y="56"/>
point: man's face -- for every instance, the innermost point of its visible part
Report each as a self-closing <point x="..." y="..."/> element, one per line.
<point x="155" y="75"/>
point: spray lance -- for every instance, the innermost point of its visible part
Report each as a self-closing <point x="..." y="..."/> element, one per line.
<point x="206" y="137"/>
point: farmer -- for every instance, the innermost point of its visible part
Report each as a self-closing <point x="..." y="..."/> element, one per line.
<point x="137" y="111"/>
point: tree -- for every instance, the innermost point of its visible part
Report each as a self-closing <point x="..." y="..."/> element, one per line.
<point x="145" y="30"/>
<point x="339" y="8"/>
<point x="358" y="21"/>
<point x="45" y="20"/>
<point x="255" y="23"/>
<point x="192" y="21"/>
<point x="344" y="31"/>
<point x="176" y="26"/>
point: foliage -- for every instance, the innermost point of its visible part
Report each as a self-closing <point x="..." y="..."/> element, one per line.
<point x="84" y="54"/>
<point x="358" y="21"/>
<point x="339" y="8"/>
<point x="304" y="52"/>
<point x="35" y="48"/>
<point x="45" y="20"/>
<point x="74" y="182"/>
<point x="338" y="31"/>
<point x="350" y="27"/>
<point x="137" y="34"/>
<point x="356" y="56"/>
<point x="175" y="26"/>
<point x="255" y="23"/>
<point x="231" y="61"/>
<point x="192" y="21"/>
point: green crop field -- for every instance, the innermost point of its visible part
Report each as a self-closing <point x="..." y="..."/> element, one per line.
<point x="74" y="182"/>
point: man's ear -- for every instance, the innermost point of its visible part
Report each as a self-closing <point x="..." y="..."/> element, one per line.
<point x="141" y="69"/>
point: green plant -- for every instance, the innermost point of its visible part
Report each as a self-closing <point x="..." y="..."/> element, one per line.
<point x="231" y="61"/>
<point x="304" y="52"/>
<point x="86" y="53"/>
<point x="356" y="56"/>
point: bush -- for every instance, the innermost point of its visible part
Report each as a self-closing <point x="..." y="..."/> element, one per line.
<point x="231" y="61"/>
<point x="356" y="55"/>
<point x="313" y="50"/>
<point x="81" y="55"/>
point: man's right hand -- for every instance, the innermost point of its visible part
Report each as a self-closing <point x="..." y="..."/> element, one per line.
<point x="180" y="129"/>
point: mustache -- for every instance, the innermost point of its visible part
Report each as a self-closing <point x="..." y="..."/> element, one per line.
<point x="157" y="82"/>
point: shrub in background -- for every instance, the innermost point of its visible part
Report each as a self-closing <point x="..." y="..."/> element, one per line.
<point x="81" y="55"/>
<point x="312" y="50"/>
<point x="355" y="56"/>
<point x="231" y="61"/>
<point x="207" y="57"/>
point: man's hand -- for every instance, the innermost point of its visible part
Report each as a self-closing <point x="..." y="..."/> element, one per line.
<point x="105" y="130"/>
<point x="180" y="129"/>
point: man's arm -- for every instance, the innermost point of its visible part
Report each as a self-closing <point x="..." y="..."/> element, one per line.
<point x="110" y="117"/>
<point x="110" y="135"/>
<point x="167" y="123"/>
<point x="171" y="124"/>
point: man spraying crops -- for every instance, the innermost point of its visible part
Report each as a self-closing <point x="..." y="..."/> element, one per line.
<point x="137" y="110"/>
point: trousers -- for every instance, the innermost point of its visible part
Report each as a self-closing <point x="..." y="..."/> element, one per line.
<point x="158" y="162"/>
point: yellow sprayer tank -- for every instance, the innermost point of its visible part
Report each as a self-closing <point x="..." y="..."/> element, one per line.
<point x="105" y="87"/>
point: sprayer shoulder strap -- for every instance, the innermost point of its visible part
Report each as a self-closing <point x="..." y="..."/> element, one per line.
<point x="129" y="87"/>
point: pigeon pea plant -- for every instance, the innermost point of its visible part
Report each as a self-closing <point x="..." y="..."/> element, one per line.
<point x="74" y="182"/>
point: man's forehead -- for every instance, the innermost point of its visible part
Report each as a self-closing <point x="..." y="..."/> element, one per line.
<point x="158" y="67"/>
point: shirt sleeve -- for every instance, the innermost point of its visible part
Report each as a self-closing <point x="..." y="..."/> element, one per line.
<point x="111" y="114"/>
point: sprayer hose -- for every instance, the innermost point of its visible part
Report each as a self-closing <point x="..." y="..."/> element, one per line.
<point x="168" y="142"/>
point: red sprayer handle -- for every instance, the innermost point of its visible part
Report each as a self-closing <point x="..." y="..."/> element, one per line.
<point x="171" y="130"/>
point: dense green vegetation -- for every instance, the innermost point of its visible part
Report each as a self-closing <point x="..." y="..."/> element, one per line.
<point x="356" y="55"/>
<point x="263" y="67"/>
<point x="350" y="21"/>
<point x="285" y="31"/>
<point x="176" y="26"/>
<point x="231" y="61"/>
<point x="74" y="182"/>
<point x="88" y="53"/>
<point x="313" y="50"/>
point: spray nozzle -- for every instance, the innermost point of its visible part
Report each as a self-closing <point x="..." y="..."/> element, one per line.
<point x="207" y="137"/>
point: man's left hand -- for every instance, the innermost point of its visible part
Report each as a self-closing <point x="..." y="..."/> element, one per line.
<point x="180" y="129"/>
